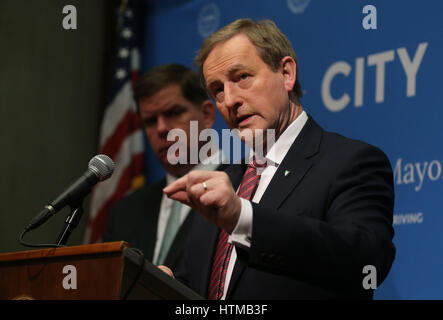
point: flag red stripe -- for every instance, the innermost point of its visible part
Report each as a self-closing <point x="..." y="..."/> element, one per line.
<point x="134" y="77"/>
<point x="128" y="125"/>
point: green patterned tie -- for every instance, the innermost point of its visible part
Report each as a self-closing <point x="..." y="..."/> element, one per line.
<point x="170" y="231"/>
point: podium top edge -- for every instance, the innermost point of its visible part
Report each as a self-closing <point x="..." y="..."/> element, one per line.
<point x="88" y="249"/>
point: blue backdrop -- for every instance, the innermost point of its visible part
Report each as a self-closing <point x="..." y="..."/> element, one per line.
<point x="378" y="85"/>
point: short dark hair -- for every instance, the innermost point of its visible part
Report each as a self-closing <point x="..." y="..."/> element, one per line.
<point x="164" y="75"/>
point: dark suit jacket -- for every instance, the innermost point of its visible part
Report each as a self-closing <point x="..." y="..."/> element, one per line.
<point x="314" y="229"/>
<point x="135" y="218"/>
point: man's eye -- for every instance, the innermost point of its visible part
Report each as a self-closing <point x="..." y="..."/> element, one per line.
<point x="242" y="76"/>
<point x="217" y="91"/>
<point x="174" y="112"/>
<point x="218" y="94"/>
<point x="149" y="122"/>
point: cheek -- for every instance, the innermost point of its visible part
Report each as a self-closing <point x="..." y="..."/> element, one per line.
<point x="184" y="122"/>
<point x="150" y="134"/>
<point x="179" y="123"/>
<point x="186" y="134"/>
<point x="153" y="141"/>
<point x="278" y="100"/>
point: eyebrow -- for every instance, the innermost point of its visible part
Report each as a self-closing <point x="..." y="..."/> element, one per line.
<point x="236" y="67"/>
<point x="175" y="106"/>
<point x="172" y="107"/>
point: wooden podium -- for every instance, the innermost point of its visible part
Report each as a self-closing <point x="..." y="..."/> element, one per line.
<point x="103" y="271"/>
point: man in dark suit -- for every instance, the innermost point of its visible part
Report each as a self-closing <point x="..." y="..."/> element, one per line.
<point x="168" y="97"/>
<point x="306" y="220"/>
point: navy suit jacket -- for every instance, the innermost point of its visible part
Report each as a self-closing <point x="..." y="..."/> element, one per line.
<point x="314" y="230"/>
<point x="134" y="219"/>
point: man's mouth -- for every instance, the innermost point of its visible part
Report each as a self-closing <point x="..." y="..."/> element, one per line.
<point x="164" y="149"/>
<point x="243" y="120"/>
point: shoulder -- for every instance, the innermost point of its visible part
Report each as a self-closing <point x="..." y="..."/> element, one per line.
<point x="341" y="146"/>
<point x="140" y="196"/>
<point x="349" y="162"/>
<point x="337" y="152"/>
<point x="344" y="147"/>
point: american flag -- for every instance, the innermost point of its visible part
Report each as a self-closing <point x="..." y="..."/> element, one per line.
<point x="121" y="137"/>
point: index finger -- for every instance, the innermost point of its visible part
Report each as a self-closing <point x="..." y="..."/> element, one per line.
<point x="177" y="185"/>
<point x="199" y="176"/>
<point x="188" y="180"/>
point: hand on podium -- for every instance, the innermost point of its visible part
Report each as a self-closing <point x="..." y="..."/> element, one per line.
<point x="166" y="270"/>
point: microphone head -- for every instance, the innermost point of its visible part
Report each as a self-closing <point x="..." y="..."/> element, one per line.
<point x="102" y="165"/>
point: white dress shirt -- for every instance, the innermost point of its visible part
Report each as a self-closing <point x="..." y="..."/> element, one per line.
<point x="210" y="163"/>
<point x="241" y="235"/>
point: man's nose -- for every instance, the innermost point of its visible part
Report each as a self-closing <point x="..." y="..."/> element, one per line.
<point x="162" y="126"/>
<point x="231" y="96"/>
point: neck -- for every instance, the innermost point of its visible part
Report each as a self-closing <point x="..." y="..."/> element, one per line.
<point x="292" y="112"/>
<point x="263" y="143"/>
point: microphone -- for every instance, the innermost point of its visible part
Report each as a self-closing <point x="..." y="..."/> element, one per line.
<point x="100" y="168"/>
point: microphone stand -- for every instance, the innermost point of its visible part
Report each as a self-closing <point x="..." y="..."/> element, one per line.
<point x="71" y="223"/>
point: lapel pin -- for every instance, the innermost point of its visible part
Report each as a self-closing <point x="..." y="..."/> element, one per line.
<point x="287" y="172"/>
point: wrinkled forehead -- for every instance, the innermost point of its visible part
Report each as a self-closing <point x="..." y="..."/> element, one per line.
<point x="234" y="53"/>
<point x="163" y="99"/>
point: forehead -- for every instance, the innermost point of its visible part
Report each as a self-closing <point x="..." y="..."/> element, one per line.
<point x="235" y="52"/>
<point x="162" y="100"/>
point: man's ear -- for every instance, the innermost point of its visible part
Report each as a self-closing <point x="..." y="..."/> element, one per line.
<point x="289" y="72"/>
<point x="208" y="110"/>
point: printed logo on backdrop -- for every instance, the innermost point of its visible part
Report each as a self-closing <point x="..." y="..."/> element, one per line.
<point x="298" y="6"/>
<point x="208" y="20"/>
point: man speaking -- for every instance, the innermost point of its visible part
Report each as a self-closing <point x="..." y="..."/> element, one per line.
<point x="304" y="221"/>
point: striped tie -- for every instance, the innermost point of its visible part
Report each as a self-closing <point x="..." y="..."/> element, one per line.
<point x="223" y="250"/>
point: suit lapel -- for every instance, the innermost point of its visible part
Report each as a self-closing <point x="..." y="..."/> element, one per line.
<point x="294" y="166"/>
<point x="176" y="251"/>
<point x="150" y="214"/>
